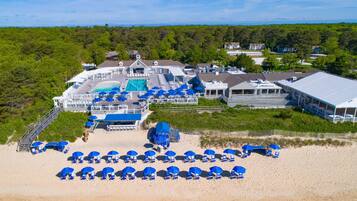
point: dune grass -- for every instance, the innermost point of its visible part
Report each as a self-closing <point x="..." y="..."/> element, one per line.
<point x="68" y="126"/>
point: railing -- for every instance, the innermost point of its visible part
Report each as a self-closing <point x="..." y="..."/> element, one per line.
<point x="30" y="135"/>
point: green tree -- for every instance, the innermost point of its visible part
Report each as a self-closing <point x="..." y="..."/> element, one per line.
<point x="290" y="61"/>
<point x="341" y="66"/>
<point x="122" y="52"/>
<point x="270" y="63"/>
<point x="97" y="54"/>
<point x="331" y="45"/>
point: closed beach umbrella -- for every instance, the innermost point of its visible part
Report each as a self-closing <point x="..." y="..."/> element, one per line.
<point x="170" y="153"/>
<point x="132" y="153"/>
<point x="209" y="152"/>
<point x="195" y="171"/>
<point x="229" y="151"/>
<point x="150" y="153"/>
<point x="93" y="117"/>
<point x="148" y="171"/>
<point x="216" y="170"/>
<point x="173" y="170"/>
<point x="239" y="169"/>
<point x="189" y="153"/>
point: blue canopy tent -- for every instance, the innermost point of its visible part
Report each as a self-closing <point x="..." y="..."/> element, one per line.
<point x="170" y="156"/>
<point x="96" y="100"/>
<point x="67" y="172"/>
<point x="228" y="155"/>
<point x="248" y="149"/>
<point x="238" y="172"/>
<point x="37" y="147"/>
<point x="194" y="172"/>
<point x="149" y="173"/>
<point x="94" y="156"/>
<point x="199" y="89"/>
<point x="131" y="156"/>
<point x="172" y="172"/>
<point x="92" y="118"/>
<point x="59" y="146"/>
<point x="150" y="156"/>
<point x="77" y="157"/>
<point x="87" y="171"/>
<point x="113" y="156"/>
<point x="89" y="124"/>
<point x="215" y="172"/>
<point x="189" y="156"/>
<point x="209" y="155"/>
<point x="108" y="172"/>
<point x="273" y="150"/>
<point x="128" y="172"/>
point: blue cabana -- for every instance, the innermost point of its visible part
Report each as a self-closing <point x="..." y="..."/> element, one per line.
<point x="96" y="100"/>
<point x="113" y="156"/>
<point x="248" y="149"/>
<point x="37" y="147"/>
<point x="149" y="173"/>
<point x="59" y="146"/>
<point x="209" y="155"/>
<point x="238" y="172"/>
<point x="108" y="172"/>
<point x="215" y="172"/>
<point x="128" y="172"/>
<point x="190" y="92"/>
<point x="109" y="99"/>
<point x="194" y="172"/>
<point x="184" y="86"/>
<point x="172" y="172"/>
<point x="160" y="134"/>
<point x="189" y="156"/>
<point x="94" y="156"/>
<point x="92" y="118"/>
<point x="150" y="156"/>
<point x="67" y="172"/>
<point x="89" y="124"/>
<point x="170" y="156"/>
<point x="131" y="156"/>
<point x="87" y="172"/>
<point x="77" y="156"/>
<point x="228" y="155"/>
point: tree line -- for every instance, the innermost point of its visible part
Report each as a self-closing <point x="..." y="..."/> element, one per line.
<point x="35" y="63"/>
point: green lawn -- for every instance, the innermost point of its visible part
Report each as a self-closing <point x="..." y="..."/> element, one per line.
<point x="232" y="119"/>
<point x="68" y="126"/>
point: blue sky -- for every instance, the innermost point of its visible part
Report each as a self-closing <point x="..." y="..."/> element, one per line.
<point x="155" y="12"/>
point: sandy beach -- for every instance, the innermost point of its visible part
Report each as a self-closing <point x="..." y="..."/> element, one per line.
<point x="308" y="173"/>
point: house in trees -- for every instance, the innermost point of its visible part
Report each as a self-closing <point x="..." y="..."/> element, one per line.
<point x="256" y="46"/>
<point x="232" y="45"/>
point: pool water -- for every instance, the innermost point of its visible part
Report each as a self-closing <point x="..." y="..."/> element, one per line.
<point x="136" y="85"/>
<point x="105" y="87"/>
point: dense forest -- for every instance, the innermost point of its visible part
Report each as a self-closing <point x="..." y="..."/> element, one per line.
<point x="36" y="62"/>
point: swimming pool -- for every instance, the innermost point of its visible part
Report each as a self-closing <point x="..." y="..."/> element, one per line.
<point x="106" y="86"/>
<point x="136" y="85"/>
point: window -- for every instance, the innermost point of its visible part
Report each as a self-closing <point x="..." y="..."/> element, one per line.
<point x="248" y="91"/>
<point x="239" y="91"/>
<point x="213" y="92"/>
<point x="264" y="91"/>
<point x="220" y="92"/>
<point x="271" y="91"/>
<point x="207" y="92"/>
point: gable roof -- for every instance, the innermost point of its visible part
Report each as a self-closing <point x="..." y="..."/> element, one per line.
<point x="112" y="63"/>
<point x="332" y="89"/>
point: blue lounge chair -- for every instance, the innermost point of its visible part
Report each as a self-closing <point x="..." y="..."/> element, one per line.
<point x="172" y="172"/>
<point x="87" y="172"/>
<point x="149" y="173"/>
<point x="77" y="157"/>
<point x="131" y="156"/>
<point x="150" y="156"/>
<point x="108" y="172"/>
<point x="238" y="172"/>
<point x="94" y="156"/>
<point x="189" y="156"/>
<point x="128" y="172"/>
<point x="113" y="156"/>
<point x="215" y="172"/>
<point x="194" y="173"/>
<point x="67" y="172"/>
<point x="169" y="157"/>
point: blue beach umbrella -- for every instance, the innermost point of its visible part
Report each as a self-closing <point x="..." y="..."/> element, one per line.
<point x="195" y="170"/>
<point x="122" y="98"/>
<point x="77" y="154"/>
<point x="149" y="171"/>
<point x="93" y="117"/>
<point x="87" y="170"/>
<point x="274" y="146"/>
<point x="229" y="151"/>
<point x="124" y="93"/>
<point x="96" y="100"/>
<point x="37" y="144"/>
<point x="184" y="86"/>
<point x="113" y="93"/>
<point x="102" y="93"/>
<point x="115" y="89"/>
<point x="150" y="153"/>
<point x="128" y="170"/>
<point x="239" y="169"/>
<point x="93" y="154"/>
<point x="170" y="153"/>
<point x="89" y="124"/>
<point x="132" y="153"/>
<point x="107" y="170"/>
<point x="180" y="93"/>
<point x="63" y="143"/>
<point x="216" y="170"/>
<point x="66" y="171"/>
<point x="209" y="152"/>
<point x="171" y="92"/>
<point x="110" y="99"/>
<point x="189" y="153"/>
<point x="155" y="88"/>
<point x="173" y="170"/>
<point x="113" y="153"/>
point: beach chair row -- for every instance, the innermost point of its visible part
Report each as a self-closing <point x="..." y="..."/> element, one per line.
<point x="150" y="156"/>
<point x="150" y="173"/>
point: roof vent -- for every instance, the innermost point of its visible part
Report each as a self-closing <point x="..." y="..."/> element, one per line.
<point x="156" y="63"/>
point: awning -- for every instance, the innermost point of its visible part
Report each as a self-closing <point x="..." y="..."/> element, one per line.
<point x="122" y="117"/>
